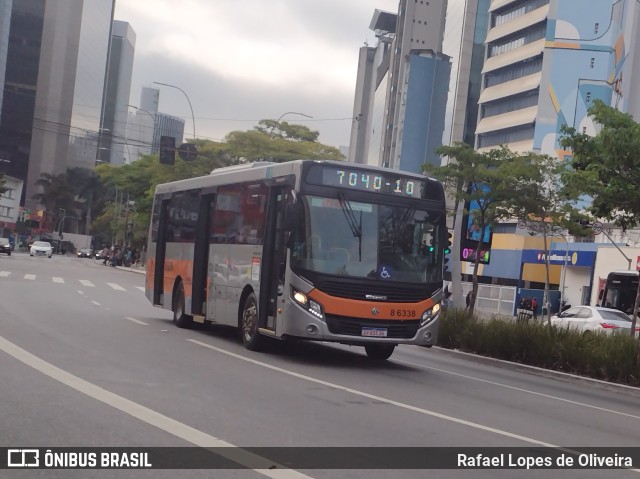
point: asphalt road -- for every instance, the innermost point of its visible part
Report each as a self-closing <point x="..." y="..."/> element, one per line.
<point x="85" y="360"/>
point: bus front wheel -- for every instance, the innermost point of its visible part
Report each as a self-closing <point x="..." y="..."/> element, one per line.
<point x="249" y="324"/>
<point x="379" y="351"/>
<point x="180" y="319"/>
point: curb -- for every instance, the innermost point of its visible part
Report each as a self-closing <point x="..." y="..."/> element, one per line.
<point x="132" y="270"/>
<point x="548" y="373"/>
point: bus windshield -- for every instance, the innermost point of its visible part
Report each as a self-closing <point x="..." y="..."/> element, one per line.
<point x="368" y="240"/>
<point x="620" y="292"/>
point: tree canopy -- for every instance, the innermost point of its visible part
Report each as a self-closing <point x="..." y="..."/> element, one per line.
<point x="482" y="179"/>
<point x="606" y="166"/>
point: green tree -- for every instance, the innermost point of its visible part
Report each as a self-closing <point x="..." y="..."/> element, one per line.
<point x="55" y="194"/>
<point x="543" y="203"/>
<point x="287" y="130"/>
<point x="137" y="181"/>
<point x="292" y="142"/>
<point x="606" y="167"/>
<point x="89" y="193"/>
<point x="480" y="178"/>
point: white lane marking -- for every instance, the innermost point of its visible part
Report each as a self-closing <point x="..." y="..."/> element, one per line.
<point x="30" y="277"/>
<point x="141" y="288"/>
<point x="96" y="303"/>
<point x="117" y="287"/>
<point x="409" y="407"/>
<point x="514" y="388"/>
<point x="149" y="416"/>
<point x="80" y="292"/>
<point x="4" y="274"/>
<point x="137" y="321"/>
<point x="87" y="283"/>
<point x="57" y="279"/>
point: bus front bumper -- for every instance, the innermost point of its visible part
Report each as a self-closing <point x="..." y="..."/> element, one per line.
<point x="342" y="329"/>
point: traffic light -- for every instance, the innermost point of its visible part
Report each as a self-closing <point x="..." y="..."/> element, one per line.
<point x="167" y="150"/>
<point x="447" y="248"/>
<point x="449" y="243"/>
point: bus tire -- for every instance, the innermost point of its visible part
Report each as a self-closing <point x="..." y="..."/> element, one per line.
<point x="251" y="337"/>
<point x="379" y="352"/>
<point x="180" y="319"/>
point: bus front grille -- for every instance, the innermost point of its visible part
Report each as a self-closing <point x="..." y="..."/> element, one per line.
<point x="392" y="293"/>
<point x="353" y="326"/>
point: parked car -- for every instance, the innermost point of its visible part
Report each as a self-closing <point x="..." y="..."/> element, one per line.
<point x="5" y="246"/>
<point x="84" y="253"/>
<point x="594" y="319"/>
<point x="41" y="248"/>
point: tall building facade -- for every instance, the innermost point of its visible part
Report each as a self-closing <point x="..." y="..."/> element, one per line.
<point x="464" y="37"/>
<point x="5" y="24"/>
<point x="114" y="148"/>
<point x="401" y="90"/>
<point x="146" y="125"/>
<point x="53" y="86"/>
<point x="547" y="61"/>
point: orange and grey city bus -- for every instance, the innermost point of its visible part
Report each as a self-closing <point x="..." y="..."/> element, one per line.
<point x="317" y="250"/>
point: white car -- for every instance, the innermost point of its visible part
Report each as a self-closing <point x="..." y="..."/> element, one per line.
<point x="594" y="319"/>
<point x="41" y="248"/>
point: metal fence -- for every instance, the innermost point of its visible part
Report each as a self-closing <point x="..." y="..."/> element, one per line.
<point x="493" y="299"/>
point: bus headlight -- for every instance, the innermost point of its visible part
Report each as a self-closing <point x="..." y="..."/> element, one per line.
<point x="430" y="314"/>
<point x="310" y="305"/>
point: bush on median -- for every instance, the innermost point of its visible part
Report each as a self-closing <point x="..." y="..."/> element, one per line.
<point x="613" y="357"/>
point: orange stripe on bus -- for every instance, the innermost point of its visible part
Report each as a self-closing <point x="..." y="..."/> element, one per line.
<point x="174" y="268"/>
<point x="364" y="309"/>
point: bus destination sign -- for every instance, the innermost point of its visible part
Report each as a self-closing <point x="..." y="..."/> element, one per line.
<point x="374" y="181"/>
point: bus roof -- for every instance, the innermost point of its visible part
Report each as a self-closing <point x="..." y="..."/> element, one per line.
<point x="258" y="170"/>
<point x="625" y="272"/>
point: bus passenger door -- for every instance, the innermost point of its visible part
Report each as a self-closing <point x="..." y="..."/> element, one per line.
<point x="161" y="250"/>
<point x="201" y="258"/>
<point x="273" y="258"/>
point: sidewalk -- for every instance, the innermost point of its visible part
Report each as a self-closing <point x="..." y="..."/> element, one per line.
<point x="134" y="269"/>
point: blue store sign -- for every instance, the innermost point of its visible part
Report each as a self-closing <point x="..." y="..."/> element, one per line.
<point x="574" y="258"/>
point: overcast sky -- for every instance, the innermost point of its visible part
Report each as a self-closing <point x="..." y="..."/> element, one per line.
<point x="240" y="61"/>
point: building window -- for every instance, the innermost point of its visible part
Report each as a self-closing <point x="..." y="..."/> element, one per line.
<point x="512" y="103"/>
<point x="5" y="211"/>
<point x="8" y="194"/>
<point x="518" y="40"/>
<point x="509" y="135"/>
<point x="513" y="12"/>
<point x="513" y="72"/>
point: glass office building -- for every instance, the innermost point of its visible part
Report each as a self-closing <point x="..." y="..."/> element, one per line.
<point x="56" y="56"/>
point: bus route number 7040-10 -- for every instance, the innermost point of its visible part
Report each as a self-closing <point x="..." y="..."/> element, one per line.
<point x="368" y="182"/>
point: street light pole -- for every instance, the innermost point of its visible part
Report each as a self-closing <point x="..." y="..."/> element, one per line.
<point x="193" y="118"/>
<point x="283" y="115"/>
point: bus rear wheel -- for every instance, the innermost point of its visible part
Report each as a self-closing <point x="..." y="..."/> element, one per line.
<point x="180" y="319"/>
<point x="379" y="352"/>
<point x="251" y="338"/>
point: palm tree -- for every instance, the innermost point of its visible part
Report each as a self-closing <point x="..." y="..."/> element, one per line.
<point x="55" y="193"/>
<point x="88" y="189"/>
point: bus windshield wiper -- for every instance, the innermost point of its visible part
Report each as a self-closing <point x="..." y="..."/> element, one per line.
<point x="355" y="225"/>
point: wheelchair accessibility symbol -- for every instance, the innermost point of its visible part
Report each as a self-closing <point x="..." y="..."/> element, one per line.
<point x="384" y="274"/>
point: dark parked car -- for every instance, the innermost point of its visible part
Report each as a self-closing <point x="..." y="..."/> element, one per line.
<point x="5" y="246"/>
<point x="84" y="253"/>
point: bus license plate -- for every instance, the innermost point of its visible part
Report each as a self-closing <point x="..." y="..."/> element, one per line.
<point x="378" y="332"/>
